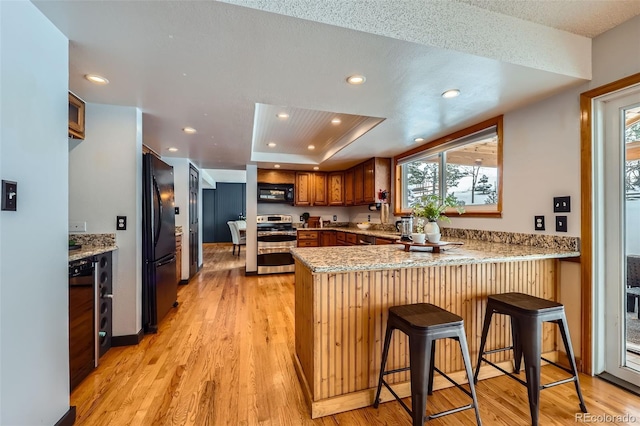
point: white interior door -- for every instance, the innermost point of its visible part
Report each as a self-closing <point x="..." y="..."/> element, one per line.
<point x="619" y="232"/>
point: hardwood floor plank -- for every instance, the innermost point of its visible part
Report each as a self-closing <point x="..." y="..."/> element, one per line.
<point x="225" y="357"/>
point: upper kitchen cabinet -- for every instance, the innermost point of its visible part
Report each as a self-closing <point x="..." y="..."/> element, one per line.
<point x="370" y="177"/>
<point x="311" y="189"/>
<point x="276" y="176"/>
<point x="348" y="188"/>
<point x="336" y="188"/>
<point x="76" y="117"/>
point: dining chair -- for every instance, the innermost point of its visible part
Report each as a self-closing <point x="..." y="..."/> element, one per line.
<point x="236" y="238"/>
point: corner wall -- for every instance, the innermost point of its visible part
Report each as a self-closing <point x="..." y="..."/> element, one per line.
<point x="105" y="181"/>
<point x="34" y="354"/>
<point x="181" y="195"/>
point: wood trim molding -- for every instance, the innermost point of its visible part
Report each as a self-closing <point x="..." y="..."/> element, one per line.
<point x="586" y="189"/>
<point x="128" y="340"/>
<point x="69" y="417"/>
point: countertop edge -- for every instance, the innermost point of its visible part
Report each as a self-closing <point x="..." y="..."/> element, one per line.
<point x="90" y="251"/>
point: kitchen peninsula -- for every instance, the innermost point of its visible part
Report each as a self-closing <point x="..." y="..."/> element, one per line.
<point x="342" y="295"/>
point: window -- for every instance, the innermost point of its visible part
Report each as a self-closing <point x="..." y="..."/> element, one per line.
<point x="466" y="164"/>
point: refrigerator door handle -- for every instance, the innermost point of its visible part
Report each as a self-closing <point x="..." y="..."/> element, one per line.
<point x="165" y="260"/>
<point x="157" y="198"/>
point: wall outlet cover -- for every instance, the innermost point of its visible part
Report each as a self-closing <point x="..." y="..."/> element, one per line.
<point x="335" y="217"/>
<point x="121" y="223"/>
<point x="561" y="224"/>
<point x="562" y="204"/>
<point x="538" y="223"/>
<point x="177" y="210"/>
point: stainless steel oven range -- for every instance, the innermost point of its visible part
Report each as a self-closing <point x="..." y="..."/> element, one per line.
<point x="276" y="236"/>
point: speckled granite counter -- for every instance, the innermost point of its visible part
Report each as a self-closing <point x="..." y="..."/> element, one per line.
<point x="92" y="245"/>
<point x="370" y="232"/>
<point x="360" y="258"/>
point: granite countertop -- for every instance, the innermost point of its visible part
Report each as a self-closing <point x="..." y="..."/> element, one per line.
<point x="375" y="257"/>
<point x="86" y="251"/>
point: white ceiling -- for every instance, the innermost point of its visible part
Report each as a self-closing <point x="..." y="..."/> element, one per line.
<point x="209" y="64"/>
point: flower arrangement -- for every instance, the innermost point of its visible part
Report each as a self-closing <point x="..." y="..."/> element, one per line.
<point x="432" y="207"/>
<point x="420" y="225"/>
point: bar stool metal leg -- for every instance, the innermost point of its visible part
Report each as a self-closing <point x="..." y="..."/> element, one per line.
<point x="467" y="365"/>
<point x="432" y="367"/>
<point x="385" y="354"/>
<point x="564" y="331"/>
<point x="485" y="331"/>
<point x="517" y="345"/>
<point x="531" y="351"/>
<point x="420" y="350"/>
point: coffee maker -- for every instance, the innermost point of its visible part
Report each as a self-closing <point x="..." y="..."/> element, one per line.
<point x="405" y="227"/>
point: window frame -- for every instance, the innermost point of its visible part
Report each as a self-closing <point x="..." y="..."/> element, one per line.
<point x="439" y="144"/>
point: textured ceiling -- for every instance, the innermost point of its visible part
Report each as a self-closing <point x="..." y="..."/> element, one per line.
<point x="207" y="64"/>
<point x="588" y="18"/>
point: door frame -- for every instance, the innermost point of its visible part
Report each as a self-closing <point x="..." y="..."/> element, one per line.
<point x="586" y="216"/>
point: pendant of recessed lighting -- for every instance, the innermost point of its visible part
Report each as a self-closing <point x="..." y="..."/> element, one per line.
<point x="189" y="130"/>
<point x="451" y="93"/>
<point x="96" y="79"/>
<point x="356" y="79"/>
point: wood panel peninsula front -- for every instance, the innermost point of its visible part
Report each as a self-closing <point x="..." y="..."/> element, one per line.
<point x="342" y="295"/>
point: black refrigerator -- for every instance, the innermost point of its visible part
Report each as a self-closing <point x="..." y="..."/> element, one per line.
<point x="159" y="281"/>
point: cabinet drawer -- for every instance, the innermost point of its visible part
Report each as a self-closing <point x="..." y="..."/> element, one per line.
<point x="380" y="241"/>
<point x="307" y="243"/>
<point x="307" y="235"/>
<point x="340" y="236"/>
<point x="352" y="238"/>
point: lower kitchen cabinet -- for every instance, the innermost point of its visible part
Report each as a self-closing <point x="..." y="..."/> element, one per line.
<point x="327" y="238"/>
<point x="308" y="239"/>
<point x="380" y="241"/>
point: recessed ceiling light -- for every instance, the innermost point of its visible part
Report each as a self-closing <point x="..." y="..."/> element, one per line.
<point x="189" y="130"/>
<point x="451" y="93"/>
<point x="172" y="149"/>
<point x="418" y="140"/>
<point x="311" y="147"/>
<point x="316" y="168"/>
<point x="277" y="166"/>
<point x="336" y="121"/>
<point x="96" y="79"/>
<point x="282" y="115"/>
<point x="271" y="144"/>
<point x="356" y="79"/>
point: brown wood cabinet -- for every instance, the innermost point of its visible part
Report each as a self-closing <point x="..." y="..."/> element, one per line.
<point x="308" y="238"/>
<point x="336" y="188"/>
<point x="276" y="176"/>
<point x="311" y="189"/>
<point x="348" y="188"/>
<point x="179" y="257"/>
<point x="380" y="241"/>
<point x="76" y="117"/>
<point x="370" y="177"/>
<point x="352" y="239"/>
<point x="327" y="238"/>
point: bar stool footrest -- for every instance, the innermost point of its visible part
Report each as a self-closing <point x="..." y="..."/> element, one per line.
<point x="452" y="411"/>
<point x="562" y="367"/>
<point x="513" y="376"/>
<point x="395" y="395"/>
<point x="453" y="382"/>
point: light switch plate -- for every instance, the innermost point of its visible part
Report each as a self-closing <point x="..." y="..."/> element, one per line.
<point x="77" y="226"/>
<point x="335" y="217"/>
<point x="561" y="224"/>
<point x="177" y="210"/>
<point x="9" y="195"/>
<point x="561" y="204"/>
<point x="538" y="223"/>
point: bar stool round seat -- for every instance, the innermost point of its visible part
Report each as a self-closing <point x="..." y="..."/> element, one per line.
<point x="424" y="324"/>
<point x="527" y="315"/>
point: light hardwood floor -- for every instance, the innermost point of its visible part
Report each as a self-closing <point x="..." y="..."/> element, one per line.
<point x="224" y="357"/>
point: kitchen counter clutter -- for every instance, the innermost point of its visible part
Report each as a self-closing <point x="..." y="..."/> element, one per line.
<point x="343" y="294"/>
<point x="91" y="245"/>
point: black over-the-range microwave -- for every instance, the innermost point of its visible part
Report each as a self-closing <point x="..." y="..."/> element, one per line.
<point x="275" y="193"/>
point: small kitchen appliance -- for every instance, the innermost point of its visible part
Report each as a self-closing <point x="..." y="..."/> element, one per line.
<point x="405" y="227"/>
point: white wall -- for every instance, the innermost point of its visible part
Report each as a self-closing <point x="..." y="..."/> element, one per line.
<point x="105" y="181"/>
<point x="252" y="212"/>
<point x="34" y="355"/>
<point x="181" y="196"/>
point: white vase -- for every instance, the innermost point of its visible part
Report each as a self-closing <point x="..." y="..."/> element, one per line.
<point x="431" y="228"/>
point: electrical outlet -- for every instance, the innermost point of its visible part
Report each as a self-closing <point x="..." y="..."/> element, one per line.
<point x="538" y="223"/>
<point x="301" y="219"/>
<point x="77" y="226"/>
<point x="177" y="210"/>
<point x="561" y="224"/>
<point x="121" y="223"/>
<point x="335" y="217"/>
<point x="561" y="204"/>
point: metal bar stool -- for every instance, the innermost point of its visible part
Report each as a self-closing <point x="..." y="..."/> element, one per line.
<point x="425" y="323"/>
<point x="527" y="315"/>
